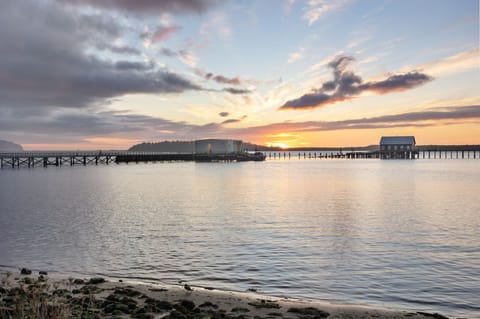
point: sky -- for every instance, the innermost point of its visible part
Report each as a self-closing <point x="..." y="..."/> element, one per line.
<point x="108" y="74"/>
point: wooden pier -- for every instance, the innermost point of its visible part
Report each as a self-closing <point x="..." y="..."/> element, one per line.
<point x="424" y="153"/>
<point x="84" y="158"/>
<point x="45" y="159"/>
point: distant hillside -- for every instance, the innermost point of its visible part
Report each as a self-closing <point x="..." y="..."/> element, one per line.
<point x="6" y="146"/>
<point x="182" y="147"/>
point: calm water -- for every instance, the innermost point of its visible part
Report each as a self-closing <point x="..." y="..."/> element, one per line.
<point x="403" y="234"/>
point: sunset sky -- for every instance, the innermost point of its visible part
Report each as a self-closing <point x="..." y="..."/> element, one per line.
<point x="107" y="74"/>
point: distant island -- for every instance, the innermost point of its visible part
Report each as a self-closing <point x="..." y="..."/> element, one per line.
<point x="186" y="147"/>
<point x="6" y="146"/>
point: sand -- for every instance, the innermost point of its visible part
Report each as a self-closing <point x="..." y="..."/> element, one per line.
<point x="61" y="297"/>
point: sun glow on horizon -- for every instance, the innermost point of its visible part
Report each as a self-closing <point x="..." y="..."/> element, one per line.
<point x="277" y="144"/>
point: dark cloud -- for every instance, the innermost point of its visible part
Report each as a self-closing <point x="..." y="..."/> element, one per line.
<point x="223" y="79"/>
<point x="224" y="114"/>
<point x="347" y="85"/>
<point x="151" y="7"/>
<point x="399" y="82"/>
<point x="79" y="124"/>
<point x="229" y="121"/>
<point x="47" y="60"/>
<point x="118" y="49"/>
<point x="134" y="66"/>
<point x="236" y="91"/>
<point x="431" y="117"/>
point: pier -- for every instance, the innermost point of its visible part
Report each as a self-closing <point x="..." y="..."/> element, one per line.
<point x="84" y="158"/>
<point x="424" y="153"/>
<point x="45" y="159"/>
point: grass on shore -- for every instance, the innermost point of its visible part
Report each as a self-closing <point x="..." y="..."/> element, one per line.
<point x="37" y="299"/>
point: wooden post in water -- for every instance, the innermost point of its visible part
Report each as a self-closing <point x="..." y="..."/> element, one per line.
<point x="463" y="154"/>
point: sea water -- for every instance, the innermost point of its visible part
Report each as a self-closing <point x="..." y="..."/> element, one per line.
<point x="401" y="234"/>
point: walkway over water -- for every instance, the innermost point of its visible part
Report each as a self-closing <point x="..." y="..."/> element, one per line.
<point x="71" y="158"/>
<point x="60" y="158"/>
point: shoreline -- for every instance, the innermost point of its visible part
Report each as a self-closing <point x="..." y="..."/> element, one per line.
<point x="97" y="297"/>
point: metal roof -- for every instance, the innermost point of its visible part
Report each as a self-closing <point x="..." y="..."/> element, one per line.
<point x="397" y="140"/>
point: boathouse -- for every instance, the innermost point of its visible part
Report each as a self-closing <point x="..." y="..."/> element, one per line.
<point x="218" y="146"/>
<point x="397" y="147"/>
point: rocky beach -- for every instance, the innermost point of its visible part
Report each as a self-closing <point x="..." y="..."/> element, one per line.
<point x="26" y="294"/>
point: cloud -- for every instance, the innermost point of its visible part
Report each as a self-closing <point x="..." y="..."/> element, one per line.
<point x="459" y="62"/>
<point x="236" y="91"/>
<point x="346" y="85"/>
<point x="160" y="34"/>
<point x="80" y="124"/>
<point x="217" y="25"/>
<point x="47" y="60"/>
<point x="163" y="33"/>
<point x="431" y="117"/>
<point x="134" y="66"/>
<point x="168" y="52"/>
<point x="224" y="114"/>
<point x="188" y="58"/>
<point x="118" y="49"/>
<point x="185" y="56"/>
<point x="150" y="7"/>
<point x="223" y="79"/>
<point x="68" y="125"/>
<point x="230" y="121"/>
<point x="399" y="82"/>
<point x="296" y="56"/>
<point x="318" y="8"/>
